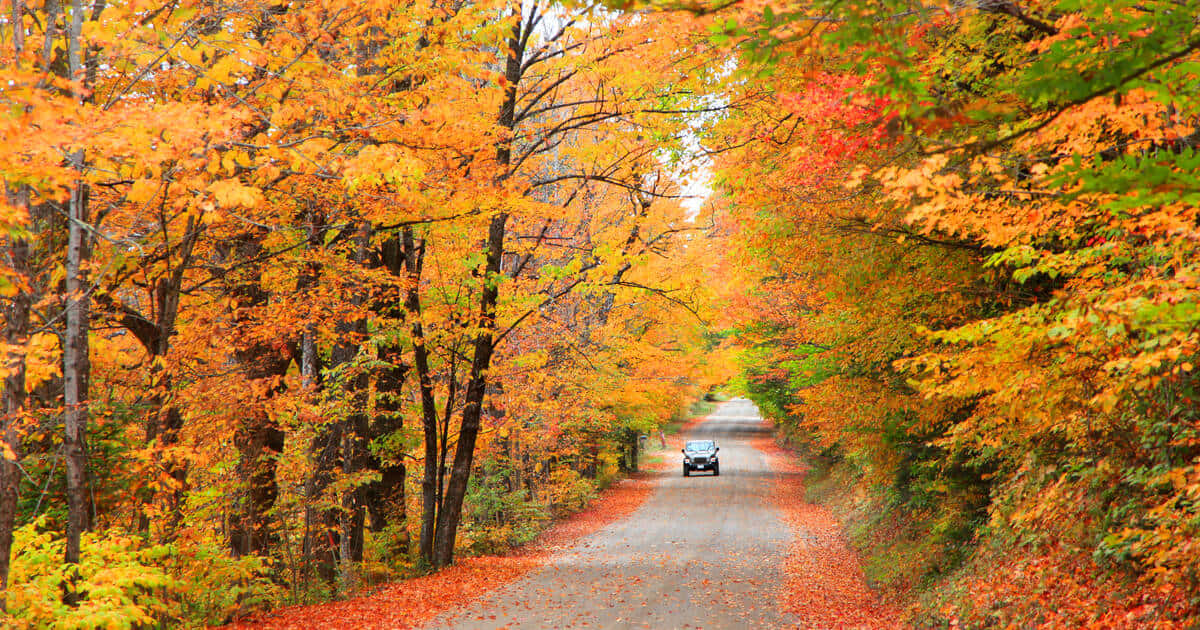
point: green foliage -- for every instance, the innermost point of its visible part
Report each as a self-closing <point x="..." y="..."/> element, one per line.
<point x="499" y="515"/>
<point x="124" y="582"/>
<point x="120" y="581"/>
<point x="216" y="585"/>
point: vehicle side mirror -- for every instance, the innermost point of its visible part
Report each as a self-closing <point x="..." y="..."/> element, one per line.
<point x="683" y="450"/>
<point x="716" y="449"/>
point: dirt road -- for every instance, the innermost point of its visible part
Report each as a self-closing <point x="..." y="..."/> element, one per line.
<point x="703" y="552"/>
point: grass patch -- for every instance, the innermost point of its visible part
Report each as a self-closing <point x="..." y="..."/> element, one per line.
<point x="700" y="408"/>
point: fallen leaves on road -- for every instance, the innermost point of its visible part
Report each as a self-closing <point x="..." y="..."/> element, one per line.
<point x="824" y="587"/>
<point x="411" y="603"/>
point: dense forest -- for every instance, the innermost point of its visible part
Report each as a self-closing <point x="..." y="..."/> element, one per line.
<point x="304" y="296"/>
<point x="970" y="233"/>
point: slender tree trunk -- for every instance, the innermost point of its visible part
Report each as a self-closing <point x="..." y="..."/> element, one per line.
<point x="444" y="435"/>
<point x="76" y="366"/>
<point x="414" y="257"/>
<point x="76" y="372"/>
<point x="464" y="455"/>
<point x="16" y="330"/>
<point x="450" y="512"/>
<point x="18" y="30"/>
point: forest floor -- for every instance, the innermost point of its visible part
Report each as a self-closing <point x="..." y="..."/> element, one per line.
<point x="742" y="550"/>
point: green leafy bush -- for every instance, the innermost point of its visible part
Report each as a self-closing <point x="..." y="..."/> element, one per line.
<point x="118" y="580"/>
<point x="123" y="582"/>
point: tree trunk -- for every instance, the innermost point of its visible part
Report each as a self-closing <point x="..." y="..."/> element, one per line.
<point x="321" y="525"/>
<point x="464" y="455"/>
<point x="414" y="257"/>
<point x="16" y="330"/>
<point x="343" y="444"/>
<point x="385" y="499"/>
<point x="76" y="366"/>
<point x="167" y="416"/>
<point x="259" y="440"/>
<point x="259" y="443"/>
<point x="76" y="369"/>
<point x="164" y="421"/>
<point x="320" y="547"/>
<point x="450" y="512"/>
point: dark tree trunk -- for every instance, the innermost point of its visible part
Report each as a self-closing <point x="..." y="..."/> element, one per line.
<point x="450" y="512"/>
<point x="320" y="544"/>
<point x="259" y="444"/>
<point x="168" y="417"/>
<point x="414" y="257"/>
<point x="464" y="455"/>
<point x="350" y="451"/>
<point x="385" y="498"/>
<point x="259" y="440"/>
<point x="321" y="526"/>
<point x="343" y="443"/>
<point x="16" y="330"/>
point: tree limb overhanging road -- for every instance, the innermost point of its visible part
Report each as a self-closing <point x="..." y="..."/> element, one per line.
<point x="703" y="552"/>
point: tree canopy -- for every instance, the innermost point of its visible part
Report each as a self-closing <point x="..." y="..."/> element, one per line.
<point x="300" y="296"/>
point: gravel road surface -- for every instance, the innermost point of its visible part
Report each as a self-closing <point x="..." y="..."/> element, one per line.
<point x="703" y="552"/>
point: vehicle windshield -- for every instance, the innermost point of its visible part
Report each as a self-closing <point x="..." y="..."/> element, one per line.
<point x="700" y="445"/>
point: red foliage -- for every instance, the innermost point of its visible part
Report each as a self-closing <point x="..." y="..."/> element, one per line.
<point x="841" y="122"/>
<point x="1063" y="589"/>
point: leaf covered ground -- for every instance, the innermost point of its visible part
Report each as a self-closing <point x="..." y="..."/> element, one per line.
<point x="825" y="585"/>
<point x="410" y="603"/>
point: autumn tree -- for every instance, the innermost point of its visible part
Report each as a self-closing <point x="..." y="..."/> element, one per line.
<point x="982" y="300"/>
<point x="274" y="237"/>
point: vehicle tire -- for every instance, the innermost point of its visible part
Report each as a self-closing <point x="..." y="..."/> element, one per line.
<point x="717" y="470"/>
<point x="686" y="471"/>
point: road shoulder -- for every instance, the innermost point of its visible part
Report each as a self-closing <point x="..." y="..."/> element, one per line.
<point x="413" y="602"/>
<point x="825" y="586"/>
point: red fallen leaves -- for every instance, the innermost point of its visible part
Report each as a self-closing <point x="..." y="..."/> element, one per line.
<point x="614" y="504"/>
<point x="825" y="586"/>
<point x="411" y="603"/>
<point x="1063" y="589"/>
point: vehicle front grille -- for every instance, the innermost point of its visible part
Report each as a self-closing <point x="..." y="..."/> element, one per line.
<point x="699" y="460"/>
